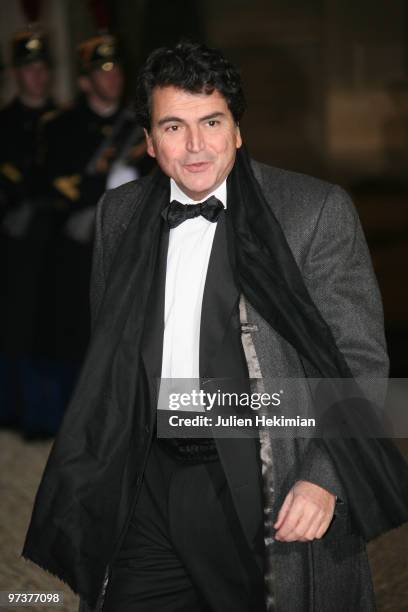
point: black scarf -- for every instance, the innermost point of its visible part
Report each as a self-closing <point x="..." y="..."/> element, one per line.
<point x="87" y="471"/>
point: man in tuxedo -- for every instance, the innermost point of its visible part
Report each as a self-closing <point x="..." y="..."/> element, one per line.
<point x="213" y="267"/>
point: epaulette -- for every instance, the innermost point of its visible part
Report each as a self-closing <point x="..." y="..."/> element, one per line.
<point x="50" y="115"/>
<point x="68" y="186"/>
<point x="11" y="172"/>
<point x="56" y="112"/>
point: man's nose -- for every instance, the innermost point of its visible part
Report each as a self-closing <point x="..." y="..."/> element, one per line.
<point x="195" y="141"/>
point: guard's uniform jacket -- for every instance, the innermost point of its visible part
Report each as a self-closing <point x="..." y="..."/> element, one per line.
<point x="70" y="142"/>
<point x="24" y="234"/>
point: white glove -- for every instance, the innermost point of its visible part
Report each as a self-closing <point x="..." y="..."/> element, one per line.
<point x="15" y="223"/>
<point x="80" y="225"/>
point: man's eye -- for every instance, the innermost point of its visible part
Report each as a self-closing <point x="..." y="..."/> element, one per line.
<point x="172" y="128"/>
<point x="213" y="122"/>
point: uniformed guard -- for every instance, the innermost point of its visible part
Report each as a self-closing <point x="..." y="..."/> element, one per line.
<point x="90" y="147"/>
<point x="22" y="233"/>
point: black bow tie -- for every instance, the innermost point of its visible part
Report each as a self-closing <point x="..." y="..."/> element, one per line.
<point x="175" y="213"/>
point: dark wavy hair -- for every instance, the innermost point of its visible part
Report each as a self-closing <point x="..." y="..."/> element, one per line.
<point x="192" y="67"/>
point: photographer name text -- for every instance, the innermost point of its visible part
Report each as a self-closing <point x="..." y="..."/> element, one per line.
<point x="233" y="421"/>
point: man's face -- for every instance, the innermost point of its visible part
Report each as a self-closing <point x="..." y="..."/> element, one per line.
<point x="194" y="138"/>
<point x="106" y="84"/>
<point x="34" y="80"/>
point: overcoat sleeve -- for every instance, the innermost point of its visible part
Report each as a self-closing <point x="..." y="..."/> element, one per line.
<point x="340" y="277"/>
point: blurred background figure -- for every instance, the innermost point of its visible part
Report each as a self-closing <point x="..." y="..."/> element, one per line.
<point x="88" y="148"/>
<point x="23" y="235"/>
<point x="1" y="76"/>
<point x="395" y="132"/>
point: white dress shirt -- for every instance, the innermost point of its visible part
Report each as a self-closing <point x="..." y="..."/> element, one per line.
<point x="189" y="251"/>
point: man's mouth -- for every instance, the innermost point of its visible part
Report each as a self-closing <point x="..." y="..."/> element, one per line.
<point x="198" y="166"/>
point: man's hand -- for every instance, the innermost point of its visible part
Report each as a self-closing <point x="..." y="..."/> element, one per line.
<point x="305" y="514"/>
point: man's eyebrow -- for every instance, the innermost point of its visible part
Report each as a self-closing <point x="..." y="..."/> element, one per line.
<point x="171" y="119"/>
<point x="212" y="116"/>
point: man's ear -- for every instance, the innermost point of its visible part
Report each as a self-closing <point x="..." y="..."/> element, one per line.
<point x="149" y="143"/>
<point x="238" y="141"/>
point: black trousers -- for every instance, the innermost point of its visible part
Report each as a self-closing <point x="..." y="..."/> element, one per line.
<point x="184" y="549"/>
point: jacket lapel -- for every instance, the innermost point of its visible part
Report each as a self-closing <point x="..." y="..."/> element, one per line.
<point x="219" y="299"/>
<point x="152" y="340"/>
<point x="238" y="455"/>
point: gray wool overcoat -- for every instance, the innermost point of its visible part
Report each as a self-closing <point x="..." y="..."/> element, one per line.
<point x="324" y="233"/>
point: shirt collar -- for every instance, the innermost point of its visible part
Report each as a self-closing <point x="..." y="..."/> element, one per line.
<point x="180" y="196"/>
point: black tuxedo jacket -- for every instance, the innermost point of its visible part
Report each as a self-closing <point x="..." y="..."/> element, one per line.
<point x="221" y="356"/>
